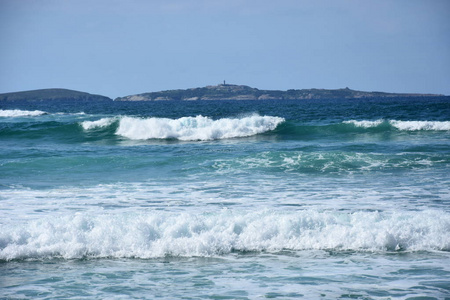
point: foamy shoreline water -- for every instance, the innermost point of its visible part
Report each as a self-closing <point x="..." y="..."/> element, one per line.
<point x="167" y="234"/>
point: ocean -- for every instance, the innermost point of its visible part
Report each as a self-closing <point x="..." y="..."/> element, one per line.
<point x="313" y="199"/>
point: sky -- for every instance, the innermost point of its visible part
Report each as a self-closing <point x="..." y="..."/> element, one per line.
<point x="123" y="47"/>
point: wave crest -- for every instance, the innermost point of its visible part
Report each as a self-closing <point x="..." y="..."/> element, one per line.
<point x="364" y="123"/>
<point x="104" y="122"/>
<point x="403" y="125"/>
<point x="158" y="234"/>
<point x="13" y="113"/>
<point x="420" y="125"/>
<point x="197" y="128"/>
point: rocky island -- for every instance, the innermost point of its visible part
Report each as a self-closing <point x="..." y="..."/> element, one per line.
<point x="243" y="92"/>
<point x="211" y="92"/>
<point x="52" y="94"/>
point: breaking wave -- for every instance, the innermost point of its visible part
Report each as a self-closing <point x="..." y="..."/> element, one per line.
<point x="403" y="125"/>
<point x="104" y="122"/>
<point x="187" y="128"/>
<point x="159" y="234"/>
<point x="13" y="113"/>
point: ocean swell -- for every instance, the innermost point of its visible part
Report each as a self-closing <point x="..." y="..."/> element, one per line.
<point x="159" y="234"/>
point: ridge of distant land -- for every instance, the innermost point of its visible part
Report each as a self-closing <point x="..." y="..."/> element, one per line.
<point x="212" y="92"/>
<point x="243" y="92"/>
<point x="51" y="94"/>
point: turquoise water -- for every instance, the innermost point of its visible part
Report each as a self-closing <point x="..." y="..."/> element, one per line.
<point x="225" y="200"/>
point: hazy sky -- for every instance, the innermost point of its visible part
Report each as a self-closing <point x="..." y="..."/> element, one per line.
<point x="122" y="47"/>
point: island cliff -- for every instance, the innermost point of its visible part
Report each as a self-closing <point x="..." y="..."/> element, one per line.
<point x="243" y="92"/>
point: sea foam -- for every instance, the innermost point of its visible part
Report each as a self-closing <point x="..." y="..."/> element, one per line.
<point x="12" y="113"/>
<point x="420" y="125"/>
<point x="364" y="123"/>
<point x="159" y="234"/>
<point x="403" y="125"/>
<point x="197" y="128"/>
<point x="104" y="122"/>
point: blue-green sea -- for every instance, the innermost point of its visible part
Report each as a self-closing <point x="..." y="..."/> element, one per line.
<point x="312" y="199"/>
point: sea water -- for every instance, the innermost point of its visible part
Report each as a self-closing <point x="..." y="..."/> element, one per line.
<point x="346" y="198"/>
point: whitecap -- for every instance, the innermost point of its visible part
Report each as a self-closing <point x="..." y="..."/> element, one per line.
<point x="159" y="234"/>
<point x="195" y="128"/>
<point x="364" y="123"/>
<point x="420" y="125"/>
<point x="403" y="125"/>
<point x="12" y="113"/>
<point x="104" y="122"/>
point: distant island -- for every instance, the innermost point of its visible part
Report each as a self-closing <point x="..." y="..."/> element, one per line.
<point x="213" y="92"/>
<point x="243" y="92"/>
<point x="52" y="94"/>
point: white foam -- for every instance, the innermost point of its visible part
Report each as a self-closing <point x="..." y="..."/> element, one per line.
<point x="12" y="113"/>
<point x="403" y="125"/>
<point x="81" y="113"/>
<point x="364" y="123"/>
<point x="104" y="122"/>
<point x="195" y="128"/>
<point x="420" y="125"/>
<point x="158" y="234"/>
